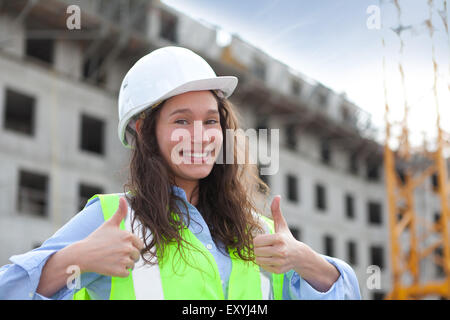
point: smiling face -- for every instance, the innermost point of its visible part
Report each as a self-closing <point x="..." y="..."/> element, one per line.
<point x="189" y="134"/>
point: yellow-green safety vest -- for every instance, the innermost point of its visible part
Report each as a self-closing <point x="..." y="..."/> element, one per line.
<point x="180" y="280"/>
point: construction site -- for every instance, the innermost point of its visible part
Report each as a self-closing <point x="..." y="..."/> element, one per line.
<point x="380" y="204"/>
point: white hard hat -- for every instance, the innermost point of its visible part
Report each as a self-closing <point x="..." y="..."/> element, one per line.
<point x="162" y="74"/>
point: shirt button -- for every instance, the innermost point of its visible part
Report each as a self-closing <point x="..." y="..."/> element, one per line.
<point x="209" y="246"/>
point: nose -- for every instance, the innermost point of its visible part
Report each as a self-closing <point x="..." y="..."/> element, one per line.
<point x="201" y="135"/>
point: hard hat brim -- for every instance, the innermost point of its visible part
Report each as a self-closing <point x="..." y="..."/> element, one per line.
<point x="227" y="84"/>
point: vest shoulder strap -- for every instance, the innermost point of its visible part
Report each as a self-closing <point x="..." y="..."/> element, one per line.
<point x="277" y="279"/>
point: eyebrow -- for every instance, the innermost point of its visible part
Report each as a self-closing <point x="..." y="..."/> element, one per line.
<point x="210" y="111"/>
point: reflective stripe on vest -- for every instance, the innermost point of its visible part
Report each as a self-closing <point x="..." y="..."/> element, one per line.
<point x="173" y="278"/>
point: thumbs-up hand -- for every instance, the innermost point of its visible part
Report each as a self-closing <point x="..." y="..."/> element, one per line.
<point x="109" y="250"/>
<point x="278" y="252"/>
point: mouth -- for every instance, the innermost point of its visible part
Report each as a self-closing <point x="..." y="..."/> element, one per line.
<point x="196" y="157"/>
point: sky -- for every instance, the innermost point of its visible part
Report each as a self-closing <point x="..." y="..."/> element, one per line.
<point x="330" y="42"/>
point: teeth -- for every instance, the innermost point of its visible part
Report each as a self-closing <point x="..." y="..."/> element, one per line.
<point x="196" y="155"/>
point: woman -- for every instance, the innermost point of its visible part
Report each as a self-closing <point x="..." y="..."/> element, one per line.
<point x="186" y="226"/>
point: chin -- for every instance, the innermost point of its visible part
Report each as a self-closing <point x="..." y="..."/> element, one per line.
<point x="196" y="173"/>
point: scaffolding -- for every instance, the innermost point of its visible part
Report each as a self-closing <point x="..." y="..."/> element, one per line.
<point x="407" y="169"/>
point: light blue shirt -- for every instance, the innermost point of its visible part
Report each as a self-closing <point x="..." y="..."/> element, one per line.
<point x="20" y="279"/>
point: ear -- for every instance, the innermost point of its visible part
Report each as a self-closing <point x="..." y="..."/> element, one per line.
<point x="138" y="125"/>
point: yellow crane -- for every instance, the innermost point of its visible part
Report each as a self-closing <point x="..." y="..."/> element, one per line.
<point x="404" y="175"/>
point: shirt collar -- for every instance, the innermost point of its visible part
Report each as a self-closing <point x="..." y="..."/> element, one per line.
<point x="179" y="192"/>
<point x="182" y="194"/>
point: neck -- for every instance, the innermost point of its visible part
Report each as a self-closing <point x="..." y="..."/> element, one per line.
<point x="188" y="186"/>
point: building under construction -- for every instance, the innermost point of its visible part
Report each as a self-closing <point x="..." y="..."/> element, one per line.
<point x="58" y="124"/>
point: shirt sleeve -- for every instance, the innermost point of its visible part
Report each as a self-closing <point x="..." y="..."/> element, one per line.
<point x="346" y="287"/>
<point x="20" y="279"/>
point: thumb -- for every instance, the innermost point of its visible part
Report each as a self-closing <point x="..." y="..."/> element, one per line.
<point x="120" y="214"/>
<point x="278" y="219"/>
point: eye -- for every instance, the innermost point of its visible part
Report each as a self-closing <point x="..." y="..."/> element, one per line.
<point x="211" y="121"/>
<point x="181" y="121"/>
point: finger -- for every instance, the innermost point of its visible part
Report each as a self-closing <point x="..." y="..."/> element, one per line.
<point x="267" y="251"/>
<point x="272" y="261"/>
<point x="121" y="273"/>
<point x="264" y="240"/>
<point x="271" y="268"/>
<point x="120" y="214"/>
<point x="129" y="264"/>
<point x="137" y="242"/>
<point x="135" y="255"/>
<point x="278" y="219"/>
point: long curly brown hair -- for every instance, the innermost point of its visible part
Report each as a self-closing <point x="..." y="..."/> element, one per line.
<point x="225" y="196"/>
